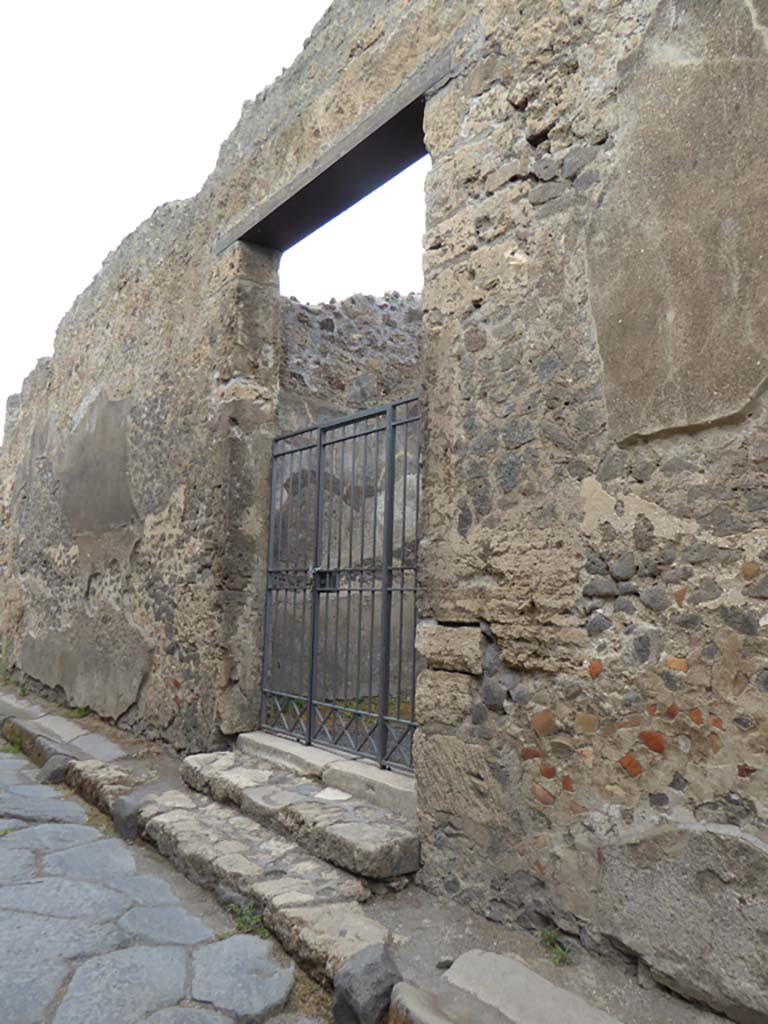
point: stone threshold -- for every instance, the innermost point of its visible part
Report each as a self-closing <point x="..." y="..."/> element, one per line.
<point x="328" y="822"/>
<point x="388" y="789"/>
<point x="324" y="917"/>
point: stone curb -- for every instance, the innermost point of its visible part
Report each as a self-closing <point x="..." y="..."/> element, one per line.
<point x="38" y="747"/>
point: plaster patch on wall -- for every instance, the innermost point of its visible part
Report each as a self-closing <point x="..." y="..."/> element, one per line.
<point x="99" y="661"/>
<point x="682" y="318"/>
<point x="93" y="470"/>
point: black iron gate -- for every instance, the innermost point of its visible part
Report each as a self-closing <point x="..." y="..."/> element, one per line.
<point x="339" y="653"/>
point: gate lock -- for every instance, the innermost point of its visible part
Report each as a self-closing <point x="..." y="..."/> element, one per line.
<point x="324" y="579"/>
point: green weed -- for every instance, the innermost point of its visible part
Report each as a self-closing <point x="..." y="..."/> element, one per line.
<point x="248" y="919"/>
<point x="559" y="952"/>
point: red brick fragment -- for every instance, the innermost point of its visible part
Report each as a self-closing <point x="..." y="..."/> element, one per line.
<point x="528" y="753"/>
<point x="595" y="668"/>
<point x="677" y="664"/>
<point x="696" y="716"/>
<point x="654" y="741"/>
<point x="746" y="771"/>
<point x="543" y="722"/>
<point x="651" y="708"/>
<point x="548" y="771"/>
<point x="673" y="711"/>
<point x="631" y="765"/>
<point x="540" y="868"/>
<point x="715" y="721"/>
<point x="714" y="743"/>
<point x="542" y="795"/>
<point x="568" y="784"/>
<point x="680" y="596"/>
<point x="577" y="808"/>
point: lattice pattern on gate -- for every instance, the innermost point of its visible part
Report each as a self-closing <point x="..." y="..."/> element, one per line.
<point x="339" y="658"/>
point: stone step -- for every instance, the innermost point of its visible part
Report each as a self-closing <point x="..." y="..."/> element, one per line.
<point x="391" y="790"/>
<point x="328" y="822"/>
<point x="487" y="988"/>
<point x="312" y="907"/>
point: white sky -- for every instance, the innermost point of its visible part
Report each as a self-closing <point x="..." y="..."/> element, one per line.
<point x="109" y="110"/>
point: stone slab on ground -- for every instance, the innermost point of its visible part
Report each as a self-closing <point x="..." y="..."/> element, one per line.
<point x="413" y="1005"/>
<point x="331" y="824"/>
<point x="521" y="995"/>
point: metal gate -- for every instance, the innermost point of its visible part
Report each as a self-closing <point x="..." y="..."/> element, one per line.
<point x="339" y="653"/>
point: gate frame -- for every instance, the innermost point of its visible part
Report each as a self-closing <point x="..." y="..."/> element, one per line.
<point x="385" y="590"/>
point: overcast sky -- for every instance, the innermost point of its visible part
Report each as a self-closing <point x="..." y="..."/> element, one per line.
<point x="109" y="110"/>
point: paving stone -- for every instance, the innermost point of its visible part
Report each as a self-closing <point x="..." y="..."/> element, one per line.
<point x="30" y="935"/>
<point x="51" y="837"/>
<point x="28" y="988"/>
<point x="144" y="889"/>
<point x="169" y="925"/>
<point x="62" y="897"/>
<point x="102" y="859"/>
<point x="241" y="975"/>
<point x="124" y="986"/>
<point x="15" y="864"/>
<point x="47" y="810"/>
<point x="11" y="825"/>
<point x="190" y="1015"/>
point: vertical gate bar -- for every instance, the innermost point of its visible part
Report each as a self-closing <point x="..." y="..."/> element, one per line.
<point x="337" y="593"/>
<point x="386" y="583"/>
<point x="347" y="674"/>
<point x="322" y="675"/>
<point x="307" y="552"/>
<point x="318" y="553"/>
<point x="416" y="560"/>
<point x="360" y="609"/>
<point x="268" y="609"/>
<point x="403" y="540"/>
<point x="377" y="439"/>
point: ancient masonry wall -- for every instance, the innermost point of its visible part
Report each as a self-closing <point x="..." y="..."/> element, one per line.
<point x="593" y="740"/>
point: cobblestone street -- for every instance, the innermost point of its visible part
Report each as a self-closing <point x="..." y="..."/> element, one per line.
<point x="93" y="929"/>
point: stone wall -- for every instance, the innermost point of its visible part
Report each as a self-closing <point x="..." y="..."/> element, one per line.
<point x="592" y="744"/>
